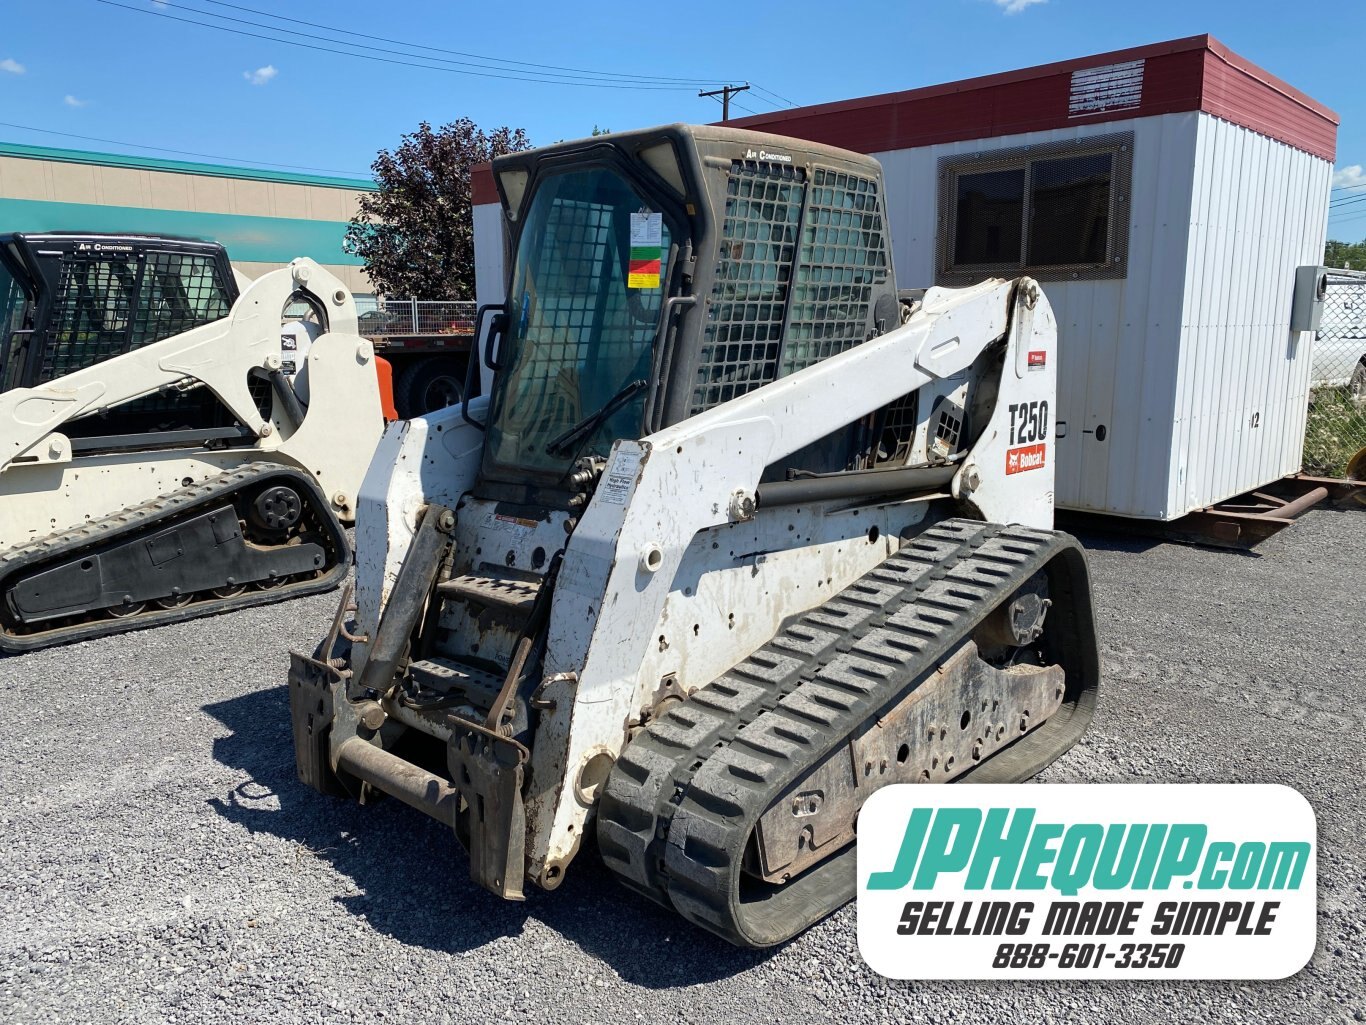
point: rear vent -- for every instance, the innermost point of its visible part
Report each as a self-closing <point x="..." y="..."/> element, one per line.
<point x="896" y="431"/>
<point x="948" y="429"/>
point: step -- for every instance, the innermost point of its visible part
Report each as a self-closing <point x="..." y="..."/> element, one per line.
<point x="495" y="591"/>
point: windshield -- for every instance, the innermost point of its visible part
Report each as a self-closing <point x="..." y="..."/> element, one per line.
<point x="587" y="288"/>
<point x="14" y="316"/>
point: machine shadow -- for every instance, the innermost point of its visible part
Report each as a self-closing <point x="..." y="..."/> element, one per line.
<point x="412" y="876"/>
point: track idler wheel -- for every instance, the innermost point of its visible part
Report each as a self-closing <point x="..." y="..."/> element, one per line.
<point x="276" y="509"/>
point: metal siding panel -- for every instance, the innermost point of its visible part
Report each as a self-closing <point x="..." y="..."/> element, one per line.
<point x="1259" y="211"/>
<point x="1272" y="295"/>
<point x="1118" y="340"/>
<point x="1093" y="331"/>
<point x="1199" y="294"/>
<point x="1071" y="378"/>
<point x="1149" y="319"/>
<point x="910" y="178"/>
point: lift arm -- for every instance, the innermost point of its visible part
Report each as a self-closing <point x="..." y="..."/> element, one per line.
<point x="218" y="355"/>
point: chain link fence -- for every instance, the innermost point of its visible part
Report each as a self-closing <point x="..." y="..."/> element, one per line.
<point x="388" y="318"/>
<point x="1336" y="429"/>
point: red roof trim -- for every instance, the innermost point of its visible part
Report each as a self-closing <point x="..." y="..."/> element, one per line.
<point x="1197" y="73"/>
<point x="482" y="187"/>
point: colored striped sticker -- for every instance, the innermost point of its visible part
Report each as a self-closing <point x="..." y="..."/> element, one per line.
<point x="647" y="245"/>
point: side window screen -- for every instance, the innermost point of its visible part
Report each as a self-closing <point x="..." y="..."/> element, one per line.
<point x="842" y="257"/>
<point x="109" y="305"/>
<point x="1069" y="210"/>
<point x="90" y="314"/>
<point x="744" y="329"/>
<point x="989" y="218"/>
<point x="179" y="291"/>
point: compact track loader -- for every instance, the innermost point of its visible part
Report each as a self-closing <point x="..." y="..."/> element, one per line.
<point x="739" y="535"/>
<point x="164" y="452"/>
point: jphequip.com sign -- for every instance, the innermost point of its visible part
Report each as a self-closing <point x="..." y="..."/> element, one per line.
<point x="1087" y="881"/>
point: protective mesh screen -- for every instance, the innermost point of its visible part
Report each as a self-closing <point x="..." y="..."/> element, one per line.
<point x="988" y="217"/>
<point x="579" y="318"/>
<point x="579" y="332"/>
<point x="179" y="291"/>
<point x="90" y="314"/>
<point x="100" y="311"/>
<point x="1069" y="210"/>
<point x="740" y="349"/>
<point x="842" y="257"/>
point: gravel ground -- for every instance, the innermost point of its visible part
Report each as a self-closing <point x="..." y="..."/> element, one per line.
<point x="162" y="864"/>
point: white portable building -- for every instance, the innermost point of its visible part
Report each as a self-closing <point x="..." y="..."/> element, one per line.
<point x="1165" y="196"/>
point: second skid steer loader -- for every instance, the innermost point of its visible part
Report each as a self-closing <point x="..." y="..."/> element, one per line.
<point x="164" y="452"/>
<point x="740" y="535"/>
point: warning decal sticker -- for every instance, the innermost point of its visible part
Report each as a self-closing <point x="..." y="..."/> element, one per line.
<point x="647" y="245"/>
<point x="616" y="483"/>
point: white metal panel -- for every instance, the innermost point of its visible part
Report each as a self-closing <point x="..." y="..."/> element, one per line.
<point x="489" y="285"/>
<point x="1118" y="339"/>
<point x="1259" y="210"/>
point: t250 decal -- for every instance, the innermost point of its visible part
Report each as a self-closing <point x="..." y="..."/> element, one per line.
<point x="1028" y="421"/>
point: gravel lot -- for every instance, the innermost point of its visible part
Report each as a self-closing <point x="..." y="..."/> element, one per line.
<point x="161" y="863"/>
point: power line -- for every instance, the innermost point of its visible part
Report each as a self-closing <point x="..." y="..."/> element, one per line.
<point x="733" y="103"/>
<point x="179" y="152"/>
<point x="768" y="92"/>
<point x="557" y="79"/>
<point x="491" y="61"/>
<point x="725" y="93"/>
<point x="514" y="77"/>
<point x="1349" y="201"/>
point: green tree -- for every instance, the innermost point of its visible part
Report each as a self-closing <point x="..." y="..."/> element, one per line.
<point x="416" y="234"/>
<point x="1351" y="255"/>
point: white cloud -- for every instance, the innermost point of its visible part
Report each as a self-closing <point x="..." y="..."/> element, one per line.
<point x="1350" y="177"/>
<point x="261" y="76"/>
<point x="72" y="101"/>
<point x="1016" y="6"/>
<point x="12" y="66"/>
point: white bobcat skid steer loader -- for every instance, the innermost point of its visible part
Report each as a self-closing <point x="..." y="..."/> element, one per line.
<point x="739" y="536"/>
<point x="184" y="476"/>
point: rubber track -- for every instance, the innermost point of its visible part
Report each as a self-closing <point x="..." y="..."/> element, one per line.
<point x="153" y="515"/>
<point x="686" y="793"/>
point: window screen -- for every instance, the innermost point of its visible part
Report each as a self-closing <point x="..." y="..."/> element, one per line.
<point x="1069" y="210"/>
<point x="989" y="218"/>
<point x="15" y="311"/>
<point x="740" y="348"/>
<point x="842" y="257"/>
<point x="102" y="309"/>
<point x="1055" y="212"/>
<point x="580" y="331"/>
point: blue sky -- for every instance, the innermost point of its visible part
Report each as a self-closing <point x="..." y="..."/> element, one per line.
<point x="131" y="75"/>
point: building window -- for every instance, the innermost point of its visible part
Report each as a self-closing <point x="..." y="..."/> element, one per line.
<point x="1054" y="212"/>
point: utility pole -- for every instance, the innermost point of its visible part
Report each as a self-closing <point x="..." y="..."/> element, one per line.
<point x="725" y="92"/>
